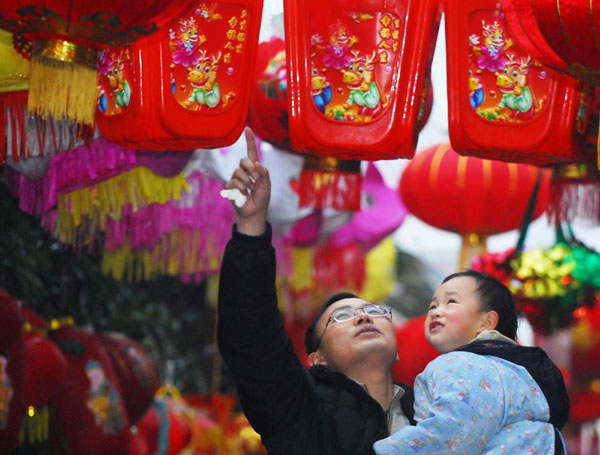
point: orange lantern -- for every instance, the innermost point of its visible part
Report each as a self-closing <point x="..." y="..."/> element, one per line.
<point x="503" y="102"/>
<point x="186" y="86"/>
<point x="470" y="196"/>
<point x="66" y="36"/>
<point x="357" y="75"/>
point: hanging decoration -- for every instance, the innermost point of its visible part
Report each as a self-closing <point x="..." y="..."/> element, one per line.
<point x="135" y="373"/>
<point x="470" y="196"/>
<point x="66" y="36"/>
<point x="550" y="284"/>
<point x="90" y="404"/>
<point x="503" y="102"/>
<point x="184" y="87"/>
<point x="12" y="372"/>
<point x="414" y="351"/>
<point x="357" y="74"/>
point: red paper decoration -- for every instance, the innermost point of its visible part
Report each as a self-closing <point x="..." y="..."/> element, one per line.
<point x="186" y="86"/>
<point x="503" y="103"/>
<point x="358" y="72"/>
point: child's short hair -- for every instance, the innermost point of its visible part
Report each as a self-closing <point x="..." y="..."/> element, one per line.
<point x="494" y="296"/>
<point x="311" y="337"/>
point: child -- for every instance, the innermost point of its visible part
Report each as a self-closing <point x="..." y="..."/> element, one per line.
<point x="484" y="394"/>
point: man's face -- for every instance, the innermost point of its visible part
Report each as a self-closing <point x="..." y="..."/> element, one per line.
<point x="345" y="344"/>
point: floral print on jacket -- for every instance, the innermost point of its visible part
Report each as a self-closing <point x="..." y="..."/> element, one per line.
<point x="468" y="404"/>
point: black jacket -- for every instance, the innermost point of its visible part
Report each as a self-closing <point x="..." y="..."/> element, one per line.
<point x="294" y="409"/>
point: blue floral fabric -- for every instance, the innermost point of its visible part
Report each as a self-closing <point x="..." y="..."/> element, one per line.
<point x="468" y="404"/>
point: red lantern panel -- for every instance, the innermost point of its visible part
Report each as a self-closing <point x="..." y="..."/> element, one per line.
<point x="503" y="102"/>
<point x="188" y="82"/>
<point x="355" y="73"/>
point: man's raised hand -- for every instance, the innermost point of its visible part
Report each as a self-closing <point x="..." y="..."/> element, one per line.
<point x="252" y="179"/>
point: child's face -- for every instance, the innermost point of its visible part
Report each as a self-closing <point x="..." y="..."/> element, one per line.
<point x="454" y="317"/>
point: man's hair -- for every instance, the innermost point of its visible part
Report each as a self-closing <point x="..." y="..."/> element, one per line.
<point x="494" y="296"/>
<point x="311" y="337"/>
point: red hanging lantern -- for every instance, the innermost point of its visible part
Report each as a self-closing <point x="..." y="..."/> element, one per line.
<point x="66" y="36"/>
<point x="186" y="86"/>
<point x="358" y="72"/>
<point x="135" y="372"/>
<point x="503" y="102"/>
<point x="414" y="351"/>
<point x="470" y="196"/>
<point x="90" y="406"/>
<point x="12" y="372"/>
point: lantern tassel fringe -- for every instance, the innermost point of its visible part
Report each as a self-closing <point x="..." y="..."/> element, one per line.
<point x="62" y="90"/>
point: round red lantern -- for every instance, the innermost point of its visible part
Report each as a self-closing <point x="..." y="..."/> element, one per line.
<point x="90" y="406"/>
<point x="357" y="73"/>
<point x="135" y="372"/>
<point x="186" y="86"/>
<point x="12" y="373"/>
<point x="470" y="196"/>
<point x="66" y="35"/>
<point x="414" y="351"/>
<point x="268" y="115"/>
<point x="503" y="102"/>
<point x="569" y="28"/>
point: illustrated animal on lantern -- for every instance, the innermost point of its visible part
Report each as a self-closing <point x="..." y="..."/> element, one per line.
<point x="364" y="92"/>
<point x="203" y="79"/>
<point x="113" y="68"/>
<point x="337" y="50"/>
<point x="184" y="43"/>
<point x="321" y="90"/>
<point x="491" y="55"/>
<point x="476" y="94"/>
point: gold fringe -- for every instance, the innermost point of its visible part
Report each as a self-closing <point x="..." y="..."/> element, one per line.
<point x="62" y="90"/>
<point x="35" y="425"/>
<point x="84" y="212"/>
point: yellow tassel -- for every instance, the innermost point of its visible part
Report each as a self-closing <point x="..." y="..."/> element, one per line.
<point x="302" y="278"/>
<point x="63" y="81"/>
<point x="35" y="426"/>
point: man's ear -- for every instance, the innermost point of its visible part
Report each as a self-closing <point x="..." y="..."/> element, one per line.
<point x="490" y="320"/>
<point x="315" y="358"/>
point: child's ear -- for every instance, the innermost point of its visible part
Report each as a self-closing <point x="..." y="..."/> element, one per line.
<point x="316" y="358"/>
<point x="490" y="320"/>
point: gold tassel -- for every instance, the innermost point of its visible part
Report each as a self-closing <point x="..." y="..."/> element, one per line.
<point x="62" y="81"/>
<point x="35" y="426"/>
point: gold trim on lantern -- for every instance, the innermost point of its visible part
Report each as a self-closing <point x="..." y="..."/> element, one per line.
<point x="62" y="81"/>
<point x="61" y="323"/>
<point x="596" y="42"/>
<point x="330" y="164"/>
<point x="562" y="27"/>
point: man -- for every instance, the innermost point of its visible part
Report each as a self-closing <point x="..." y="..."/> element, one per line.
<point x="347" y="400"/>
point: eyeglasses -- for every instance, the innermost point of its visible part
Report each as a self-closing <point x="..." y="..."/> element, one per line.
<point x="347" y="313"/>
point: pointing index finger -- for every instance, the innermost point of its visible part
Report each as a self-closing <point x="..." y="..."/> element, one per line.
<point x="251" y="145"/>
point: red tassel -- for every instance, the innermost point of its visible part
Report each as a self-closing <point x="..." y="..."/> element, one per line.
<point x="330" y="183"/>
<point x="13" y="104"/>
